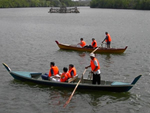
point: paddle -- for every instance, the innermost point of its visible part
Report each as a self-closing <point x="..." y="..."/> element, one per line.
<point x="77" y="84"/>
<point x="74" y="89"/>
<point x="95" y="50"/>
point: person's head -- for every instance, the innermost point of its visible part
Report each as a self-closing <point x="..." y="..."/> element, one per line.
<point x="71" y="66"/>
<point x="106" y="33"/>
<point x="92" y="55"/>
<point x="65" y="69"/>
<point x="52" y="64"/>
<point x="93" y="39"/>
<point x="81" y="39"/>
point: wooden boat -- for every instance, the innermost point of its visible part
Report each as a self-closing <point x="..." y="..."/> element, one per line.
<point x="35" y="77"/>
<point x="100" y="50"/>
<point x="64" y="9"/>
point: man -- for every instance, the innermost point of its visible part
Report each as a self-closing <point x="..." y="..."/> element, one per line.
<point x="107" y="39"/>
<point x="82" y="43"/>
<point x="54" y="71"/>
<point x="95" y="69"/>
<point x="72" y="70"/>
<point x="65" y="75"/>
<point x="94" y="43"/>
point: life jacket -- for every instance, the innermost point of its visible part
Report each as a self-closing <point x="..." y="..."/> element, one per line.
<point x="108" y="39"/>
<point x="64" y="76"/>
<point x="93" y="44"/>
<point x="55" y="69"/>
<point x="74" y="71"/>
<point x="83" y="43"/>
<point x="93" y="65"/>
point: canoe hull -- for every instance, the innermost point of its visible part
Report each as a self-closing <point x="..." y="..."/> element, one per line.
<point x="86" y="84"/>
<point x="122" y="88"/>
<point x="100" y="50"/>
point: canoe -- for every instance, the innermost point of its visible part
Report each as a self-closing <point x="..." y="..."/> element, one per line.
<point x="86" y="83"/>
<point x="100" y="50"/>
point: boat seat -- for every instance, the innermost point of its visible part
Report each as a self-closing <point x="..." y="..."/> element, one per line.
<point x="119" y="83"/>
<point x="72" y="79"/>
<point x="35" y="74"/>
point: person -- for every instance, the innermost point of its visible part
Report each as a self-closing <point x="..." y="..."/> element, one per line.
<point x="95" y="69"/>
<point x="82" y="43"/>
<point x="54" y="71"/>
<point x="72" y="71"/>
<point x="94" y="43"/>
<point x="65" y="75"/>
<point x="107" y="39"/>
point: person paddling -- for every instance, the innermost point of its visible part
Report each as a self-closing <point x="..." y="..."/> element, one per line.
<point x="95" y="69"/>
<point x="107" y="40"/>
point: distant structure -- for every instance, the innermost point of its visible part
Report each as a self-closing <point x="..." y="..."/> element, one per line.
<point x="63" y="9"/>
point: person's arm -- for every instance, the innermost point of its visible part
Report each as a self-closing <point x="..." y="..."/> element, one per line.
<point x="105" y="39"/>
<point x="93" y="44"/>
<point x="52" y="72"/>
<point x="72" y="73"/>
<point x="87" y="66"/>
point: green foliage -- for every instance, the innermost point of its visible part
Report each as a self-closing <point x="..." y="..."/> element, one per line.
<point x="121" y="4"/>
<point x="34" y="3"/>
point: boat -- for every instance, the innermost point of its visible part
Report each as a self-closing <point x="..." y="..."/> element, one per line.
<point x="99" y="50"/>
<point x="86" y="83"/>
<point x="64" y="9"/>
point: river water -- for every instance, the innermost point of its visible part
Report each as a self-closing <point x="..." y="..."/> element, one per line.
<point x="27" y="43"/>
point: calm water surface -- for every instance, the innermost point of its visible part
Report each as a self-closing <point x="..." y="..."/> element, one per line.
<point x="27" y="43"/>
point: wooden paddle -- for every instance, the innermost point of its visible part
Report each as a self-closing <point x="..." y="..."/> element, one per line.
<point x="95" y="50"/>
<point x="74" y="89"/>
<point x="77" y="84"/>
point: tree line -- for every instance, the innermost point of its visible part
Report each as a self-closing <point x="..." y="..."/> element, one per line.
<point x="121" y="4"/>
<point x="35" y="3"/>
<point x="116" y="4"/>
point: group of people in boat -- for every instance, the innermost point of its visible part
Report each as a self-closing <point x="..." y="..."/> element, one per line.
<point x="107" y="39"/>
<point x="55" y="75"/>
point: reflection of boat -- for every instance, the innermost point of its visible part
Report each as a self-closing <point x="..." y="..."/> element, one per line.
<point x="100" y="50"/>
<point x="35" y="77"/>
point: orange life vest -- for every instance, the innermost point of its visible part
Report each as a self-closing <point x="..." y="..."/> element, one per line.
<point x="93" y="44"/>
<point x="109" y="38"/>
<point x="83" y="43"/>
<point x="64" y="77"/>
<point x="55" y="69"/>
<point x="93" y="65"/>
<point x="74" y="71"/>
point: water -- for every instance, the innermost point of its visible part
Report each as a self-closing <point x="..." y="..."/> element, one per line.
<point x="27" y="43"/>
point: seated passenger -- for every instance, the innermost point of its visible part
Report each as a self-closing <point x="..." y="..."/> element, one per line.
<point x="63" y="77"/>
<point x="54" y="71"/>
<point x="93" y="44"/>
<point x="72" y="70"/>
<point x="82" y="43"/>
